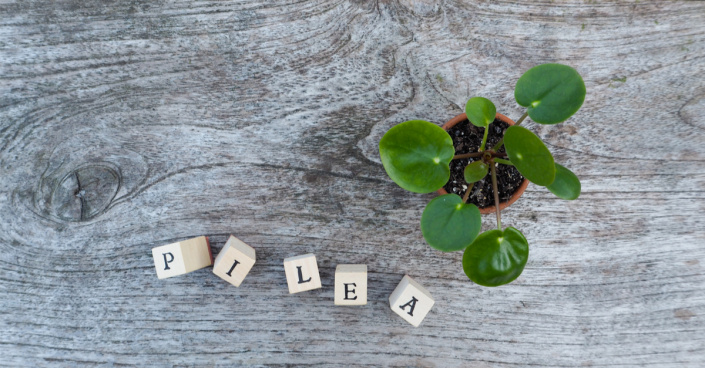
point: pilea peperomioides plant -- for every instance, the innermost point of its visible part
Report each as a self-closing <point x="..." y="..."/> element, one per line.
<point x="416" y="155"/>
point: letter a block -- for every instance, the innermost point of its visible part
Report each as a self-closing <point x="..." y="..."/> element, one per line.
<point x="411" y="301"/>
<point x="183" y="257"/>
<point x="234" y="261"/>
<point x="351" y="284"/>
<point x="302" y="273"/>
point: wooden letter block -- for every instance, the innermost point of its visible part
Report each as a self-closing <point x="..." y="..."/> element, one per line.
<point x="351" y="284"/>
<point x="411" y="301"/>
<point x="234" y="261"/>
<point x="183" y="257"/>
<point x="302" y="273"/>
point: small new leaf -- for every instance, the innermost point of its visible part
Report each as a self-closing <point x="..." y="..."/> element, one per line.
<point x="566" y="185"/>
<point x="529" y="155"/>
<point x="475" y="171"/>
<point x="496" y="257"/>
<point x="480" y="111"/>
<point x="551" y="92"/>
<point x="448" y="224"/>
<point x="416" y="155"/>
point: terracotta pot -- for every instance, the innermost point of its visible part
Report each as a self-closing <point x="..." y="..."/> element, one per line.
<point x="502" y="205"/>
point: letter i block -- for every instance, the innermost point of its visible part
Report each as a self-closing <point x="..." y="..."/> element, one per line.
<point x="411" y="301"/>
<point x="183" y="257"/>
<point x="302" y="273"/>
<point x="234" y="261"/>
<point x="351" y="284"/>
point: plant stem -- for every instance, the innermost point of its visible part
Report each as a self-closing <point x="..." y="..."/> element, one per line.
<point x="503" y="162"/>
<point x="496" y="194"/>
<point x="467" y="155"/>
<point x="498" y="145"/>
<point x="467" y="193"/>
<point x="521" y="119"/>
<point x="484" y="139"/>
<point x="501" y="141"/>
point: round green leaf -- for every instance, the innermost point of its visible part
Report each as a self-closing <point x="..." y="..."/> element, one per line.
<point x="496" y="257"/>
<point x="529" y="155"/>
<point x="475" y="171"/>
<point x="448" y="224"/>
<point x="416" y="155"/>
<point x="480" y="111"/>
<point x="566" y="185"/>
<point x="551" y="92"/>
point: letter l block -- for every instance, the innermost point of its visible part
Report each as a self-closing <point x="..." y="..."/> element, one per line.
<point x="411" y="301"/>
<point x="302" y="273"/>
<point x="234" y="261"/>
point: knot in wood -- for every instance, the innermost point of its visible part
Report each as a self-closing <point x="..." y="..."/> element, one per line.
<point x="85" y="192"/>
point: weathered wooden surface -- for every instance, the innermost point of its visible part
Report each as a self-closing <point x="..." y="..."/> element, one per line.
<point x="128" y="125"/>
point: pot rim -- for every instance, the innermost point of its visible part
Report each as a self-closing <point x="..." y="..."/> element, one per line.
<point x="502" y="205"/>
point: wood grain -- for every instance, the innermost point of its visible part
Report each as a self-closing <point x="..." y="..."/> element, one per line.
<point x="125" y="125"/>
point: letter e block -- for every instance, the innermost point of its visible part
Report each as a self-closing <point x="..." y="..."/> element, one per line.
<point x="351" y="284"/>
<point x="234" y="261"/>
<point x="411" y="301"/>
<point x="302" y="273"/>
<point x="183" y="257"/>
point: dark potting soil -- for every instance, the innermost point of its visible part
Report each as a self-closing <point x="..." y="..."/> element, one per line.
<point x="467" y="138"/>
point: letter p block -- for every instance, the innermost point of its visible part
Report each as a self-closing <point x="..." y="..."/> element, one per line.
<point x="183" y="257"/>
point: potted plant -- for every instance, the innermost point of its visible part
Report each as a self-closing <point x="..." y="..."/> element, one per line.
<point x="417" y="155"/>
